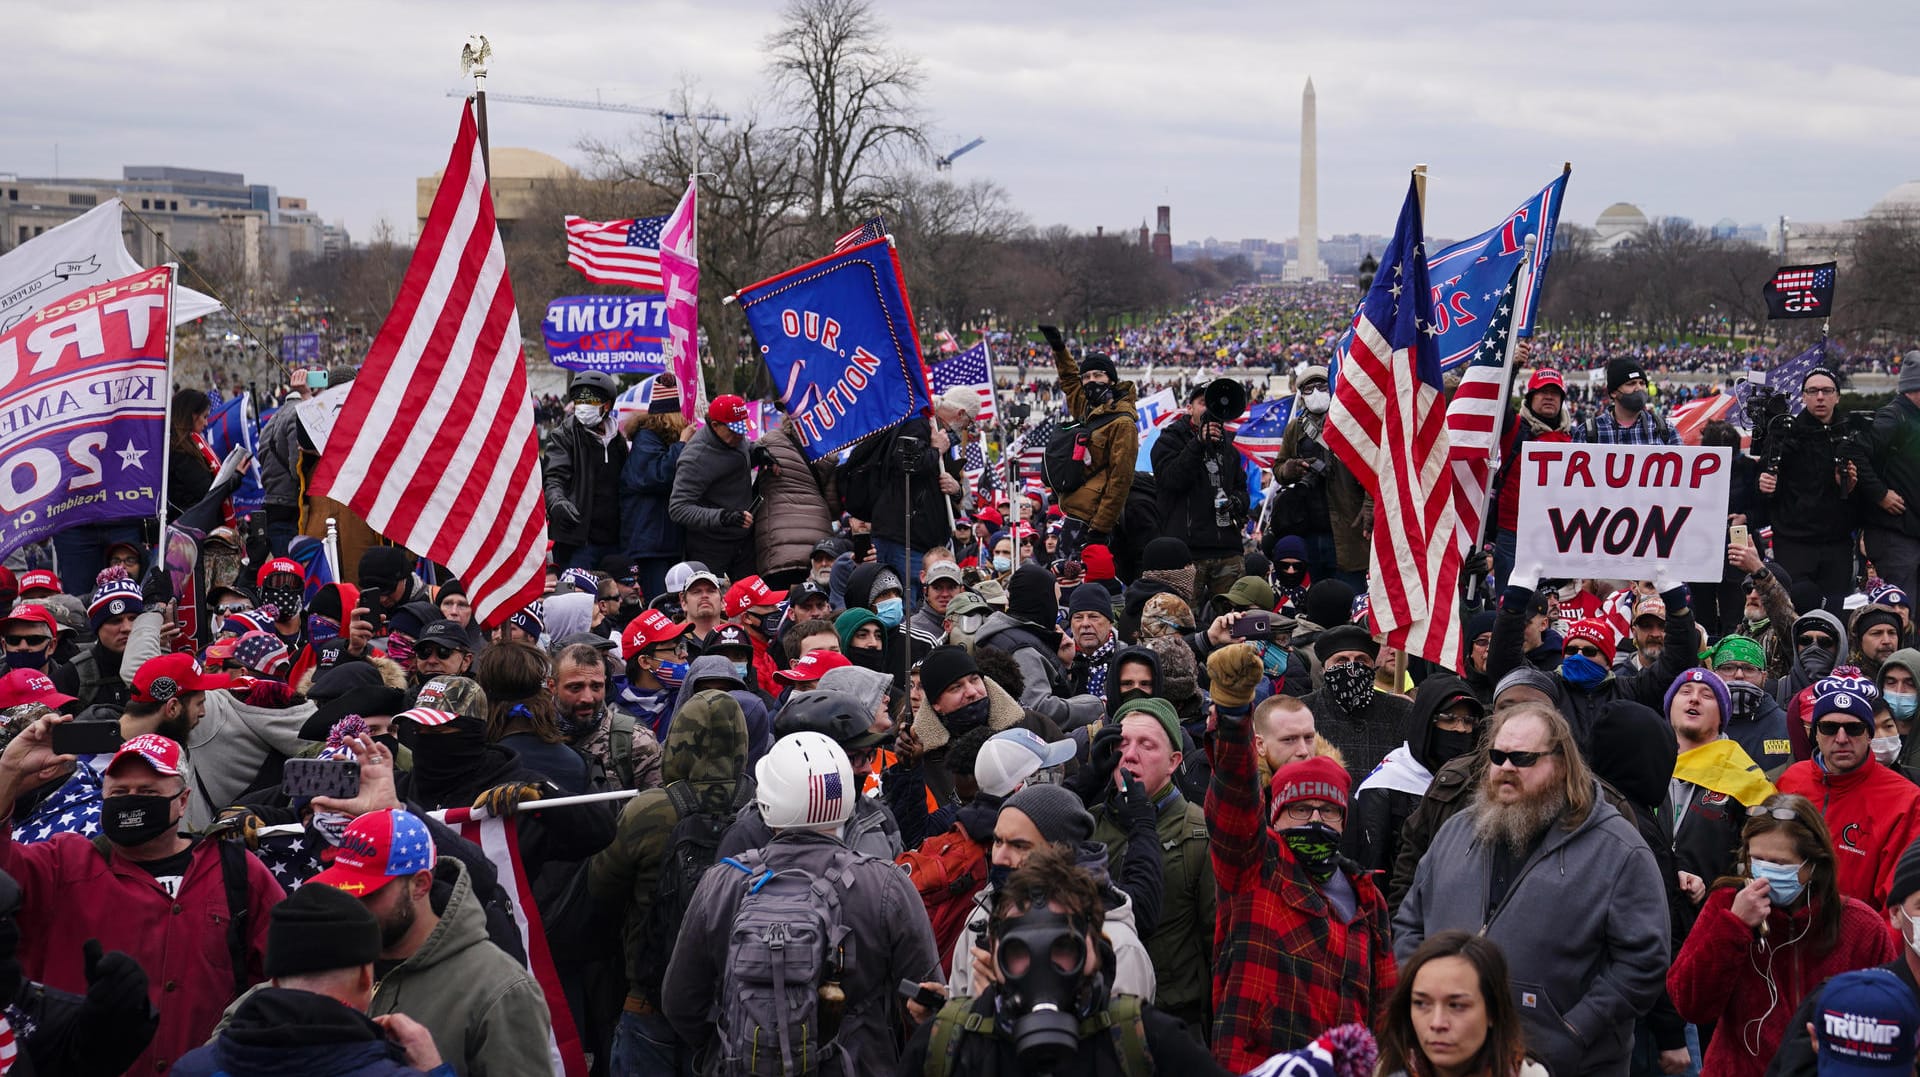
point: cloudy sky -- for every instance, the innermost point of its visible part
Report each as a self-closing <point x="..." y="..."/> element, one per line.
<point x="1094" y="111"/>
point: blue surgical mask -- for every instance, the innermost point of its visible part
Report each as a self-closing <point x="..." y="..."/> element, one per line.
<point x="890" y="611"/>
<point x="671" y="674"/>
<point x="1002" y="564"/>
<point x="1901" y="704"/>
<point x="742" y="670"/>
<point x="1273" y="659"/>
<point x="1783" y="880"/>
<point x="1581" y="671"/>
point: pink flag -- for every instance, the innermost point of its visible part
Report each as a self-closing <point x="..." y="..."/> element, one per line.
<point x="680" y="279"/>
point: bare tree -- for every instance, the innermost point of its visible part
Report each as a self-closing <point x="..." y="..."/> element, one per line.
<point x="854" y="102"/>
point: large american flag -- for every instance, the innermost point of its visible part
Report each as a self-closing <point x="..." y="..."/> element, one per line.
<point x="435" y="445"/>
<point x="971" y="369"/>
<point x="1388" y="425"/>
<point x="870" y="229"/>
<point x="1473" y="416"/>
<point x="616" y="252"/>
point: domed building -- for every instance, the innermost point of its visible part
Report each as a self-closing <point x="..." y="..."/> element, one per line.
<point x="1619" y="225"/>
<point x="1901" y="202"/>
<point x="517" y="176"/>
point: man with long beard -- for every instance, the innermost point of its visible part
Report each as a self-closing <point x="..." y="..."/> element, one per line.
<point x="1541" y="864"/>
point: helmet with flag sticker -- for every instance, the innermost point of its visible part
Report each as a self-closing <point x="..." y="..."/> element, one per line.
<point x="806" y="783"/>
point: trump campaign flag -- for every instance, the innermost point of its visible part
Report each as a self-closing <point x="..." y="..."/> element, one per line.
<point x="1800" y="291"/>
<point x="83" y="406"/>
<point x="1467" y="280"/>
<point x="619" y="334"/>
<point x="840" y="342"/>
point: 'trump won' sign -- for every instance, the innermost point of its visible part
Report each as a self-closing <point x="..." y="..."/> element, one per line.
<point x="1623" y="511"/>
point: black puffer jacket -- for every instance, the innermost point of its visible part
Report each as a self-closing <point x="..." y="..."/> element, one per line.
<point x="582" y="482"/>
<point x="933" y="511"/>
<point x="1807" y="505"/>
<point x="1191" y="473"/>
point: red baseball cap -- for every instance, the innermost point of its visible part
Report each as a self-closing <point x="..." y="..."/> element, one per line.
<point x="160" y="753"/>
<point x="377" y="848"/>
<point x="1597" y="632"/>
<point x="1545" y="378"/>
<point x="813" y="666"/>
<point x="166" y="676"/>
<point x="987" y="514"/>
<point x="39" y="580"/>
<point x="34" y="613"/>
<point x="648" y="629"/>
<point x="747" y="594"/>
<point x="278" y="565"/>
<point x="727" y="409"/>
<point x="22" y="686"/>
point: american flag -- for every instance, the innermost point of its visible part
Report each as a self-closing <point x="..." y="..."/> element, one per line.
<point x="823" y="798"/>
<point x="973" y="462"/>
<point x="616" y="252"/>
<point x="1473" y="416"/>
<point x="1792" y="277"/>
<point x="1388" y="425"/>
<point x="1690" y="418"/>
<point x="1030" y="448"/>
<point x="971" y="369"/>
<point x="1787" y="376"/>
<point x="435" y="444"/>
<point x="870" y="229"/>
<point x="499" y="839"/>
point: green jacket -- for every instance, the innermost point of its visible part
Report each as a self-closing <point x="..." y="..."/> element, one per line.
<point x="706" y="748"/>
<point x="488" y="1016"/>
<point x="1181" y="945"/>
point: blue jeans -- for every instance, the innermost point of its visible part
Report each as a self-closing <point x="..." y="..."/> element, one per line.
<point x="904" y="561"/>
<point x="644" y="1046"/>
<point x="586" y="555"/>
<point x="1505" y="544"/>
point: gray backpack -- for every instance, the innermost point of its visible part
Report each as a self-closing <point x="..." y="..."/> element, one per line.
<point x="787" y="942"/>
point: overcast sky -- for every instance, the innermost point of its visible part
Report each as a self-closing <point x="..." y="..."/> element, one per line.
<point x="1094" y="111"/>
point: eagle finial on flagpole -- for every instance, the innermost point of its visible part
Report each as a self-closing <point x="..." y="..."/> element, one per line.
<point x="474" y="56"/>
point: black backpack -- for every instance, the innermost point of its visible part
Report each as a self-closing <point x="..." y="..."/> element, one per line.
<point x="858" y="479"/>
<point x="692" y="848"/>
<point x="1064" y="467"/>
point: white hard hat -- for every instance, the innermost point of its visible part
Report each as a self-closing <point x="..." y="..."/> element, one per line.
<point x="805" y="782"/>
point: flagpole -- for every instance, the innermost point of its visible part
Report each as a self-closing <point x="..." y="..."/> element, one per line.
<point x="473" y="57"/>
<point x="1505" y="397"/>
<point x="166" y="427"/>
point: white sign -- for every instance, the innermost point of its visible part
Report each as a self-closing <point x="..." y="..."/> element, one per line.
<point x="1623" y="511"/>
<point x="318" y="413"/>
<point x="1155" y="410"/>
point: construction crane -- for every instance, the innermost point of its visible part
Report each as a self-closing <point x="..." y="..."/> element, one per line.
<point x="945" y="164"/>
<point x="610" y="106"/>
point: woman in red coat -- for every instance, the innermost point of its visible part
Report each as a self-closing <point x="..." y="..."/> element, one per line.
<point x="1770" y="935"/>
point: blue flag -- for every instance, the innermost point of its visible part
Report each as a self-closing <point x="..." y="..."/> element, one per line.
<point x="1468" y="278"/>
<point x="840" y="342"/>
<point x="231" y="424"/>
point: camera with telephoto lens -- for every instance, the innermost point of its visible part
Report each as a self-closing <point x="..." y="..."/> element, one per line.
<point x="906" y="451"/>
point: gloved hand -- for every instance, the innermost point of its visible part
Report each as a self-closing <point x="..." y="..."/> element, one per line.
<point x="563" y="513"/>
<point x="1477" y="563"/>
<point x="1090" y="537"/>
<point x="1093" y="781"/>
<point x="157" y="588"/>
<point x="1132" y="805"/>
<point x="1233" y="672"/>
<point x="734" y="517"/>
<point x="237" y="824"/>
<point x="1677" y="596"/>
<point x="1054" y="339"/>
<point x="760" y="456"/>
<point x="505" y="799"/>
<point x="116" y="984"/>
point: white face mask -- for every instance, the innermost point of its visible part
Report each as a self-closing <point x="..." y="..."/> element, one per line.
<point x="1911" y="932"/>
<point x="1886" y="750"/>
<point x="1317" y="401"/>
<point x="587" y="414"/>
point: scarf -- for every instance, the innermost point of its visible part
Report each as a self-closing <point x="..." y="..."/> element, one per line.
<point x="648" y="708"/>
<point x="1537" y="425"/>
<point x="1097" y="666"/>
<point x="74" y="808"/>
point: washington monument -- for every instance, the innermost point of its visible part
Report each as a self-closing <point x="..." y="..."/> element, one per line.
<point x="1306" y="266"/>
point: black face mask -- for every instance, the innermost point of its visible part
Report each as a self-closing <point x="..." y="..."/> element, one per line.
<point x="1315" y="845"/>
<point x="873" y="658"/>
<point x="1121" y="699"/>
<point x="1814" y="662"/>
<point x="287" y="600"/>
<point x="972" y="716"/>
<point x="1448" y="744"/>
<point x="135" y="820"/>
<point x="391" y="741"/>
<point x="1045" y="1001"/>
<point x="445" y="759"/>
<point x="1351" y="686"/>
<point x="1096" y="395"/>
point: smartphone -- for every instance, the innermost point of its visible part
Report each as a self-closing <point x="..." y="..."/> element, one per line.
<point x="336" y="778"/>
<point x="1253" y="624"/>
<point x="925" y="996"/>
<point x="1737" y="535"/>
<point x="86" y="738"/>
<point x="316" y="379"/>
<point x="862" y="546"/>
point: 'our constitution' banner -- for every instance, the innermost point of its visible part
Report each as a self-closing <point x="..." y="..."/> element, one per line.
<point x="1623" y="512"/>
<point x="83" y="406"/>
<point x="619" y="334"/>
<point x="841" y="345"/>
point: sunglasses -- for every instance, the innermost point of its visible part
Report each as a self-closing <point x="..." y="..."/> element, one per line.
<point x="1814" y="639"/>
<point x="1580" y="649"/>
<point x="235" y="607"/>
<point x="433" y="650"/>
<point x="1785" y="815"/>
<point x="1856" y="730"/>
<point x="1522" y="760"/>
<point x="629" y="581"/>
<point x="26" y="641"/>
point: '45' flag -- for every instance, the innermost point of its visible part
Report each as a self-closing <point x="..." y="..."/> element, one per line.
<point x="1469" y="279"/>
<point x="840" y="342"/>
<point x="1800" y="291"/>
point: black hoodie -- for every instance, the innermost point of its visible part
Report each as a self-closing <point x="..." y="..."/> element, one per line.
<point x="1195" y="773"/>
<point x="1390" y="794"/>
<point x="280" y="1030"/>
<point x="895" y="640"/>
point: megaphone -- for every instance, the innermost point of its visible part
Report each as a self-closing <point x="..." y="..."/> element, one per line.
<point x="1226" y="400"/>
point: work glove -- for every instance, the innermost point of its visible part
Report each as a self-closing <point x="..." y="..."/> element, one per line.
<point x="237" y="824"/>
<point x="1477" y="563"/>
<point x="1094" y="780"/>
<point x="157" y="588"/>
<point x="563" y="513"/>
<point x="505" y="799"/>
<point x="116" y="984"/>
<point x="1233" y="672"/>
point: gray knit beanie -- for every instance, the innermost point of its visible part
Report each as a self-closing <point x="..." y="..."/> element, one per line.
<point x="1055" y="811"/>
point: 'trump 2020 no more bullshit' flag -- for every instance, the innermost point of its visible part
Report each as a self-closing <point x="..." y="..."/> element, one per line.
<point x="840" y="342"/>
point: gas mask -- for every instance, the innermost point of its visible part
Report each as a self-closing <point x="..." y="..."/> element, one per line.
<point x="1054" y="988"/>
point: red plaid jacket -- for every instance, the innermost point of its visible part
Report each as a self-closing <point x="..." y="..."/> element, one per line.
<point x="1285" y="969"/>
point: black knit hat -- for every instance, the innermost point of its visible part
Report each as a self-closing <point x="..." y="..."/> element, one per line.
<point x="1165" y="554"/>
<point x="383" y="566"/>
<point x="1056" y="812"/>
<point x="1328" y="603"/>
<point x="1032" y="597"/>
<point x="1090" y="598"/>
<point x="1100" y="361"/>
<point x="318" y="929"/>
<point x="942" y="667"/>
<point x="1906" y="876"/>
<point x="1621" y="369"/>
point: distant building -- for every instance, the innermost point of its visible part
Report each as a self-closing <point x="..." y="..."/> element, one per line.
<point x="517" y="178"/>
<point x="1619" y="225"/>
<point x="1163" y="234"/>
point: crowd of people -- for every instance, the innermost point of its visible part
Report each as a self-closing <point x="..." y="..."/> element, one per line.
<point x="839" y="766"/>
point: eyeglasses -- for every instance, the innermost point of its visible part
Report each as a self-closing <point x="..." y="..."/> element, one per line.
<point x="433" y="650"/>
<point x="1303" y="813"/>
<point x="27" y="641"/>
<point x="1582" y="649"/>
<point x="1815" y="639"/>
<point x="1855" y="730"/>
<point x="1819" y="392"/>
<point x="1785" y="815"/>
<point x="1737" y="669"/>
<point x="1522" y="760"/>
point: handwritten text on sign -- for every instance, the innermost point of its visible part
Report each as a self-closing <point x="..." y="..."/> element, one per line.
<point x="1623" y="511"/>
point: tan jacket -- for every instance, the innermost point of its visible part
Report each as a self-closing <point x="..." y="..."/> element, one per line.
<point x="1113" y="451"/>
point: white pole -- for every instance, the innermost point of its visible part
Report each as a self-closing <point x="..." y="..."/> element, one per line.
<point x="331" y="547"/>
<point x="441" y="815"/>
<point x="166" y="429"/>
